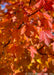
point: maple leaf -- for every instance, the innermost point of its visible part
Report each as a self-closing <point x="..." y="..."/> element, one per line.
<point x="50" y="24"/>
<point x="47" y="16"/>
<point x="33" y="51"/>
<point x="12" y="67"/>
<point x="38" y="4"/>
<point x="23" y="30"/>
<point x="47" y="4"/>
<point x="46" y="36"/>
<point x="26" y="38"/>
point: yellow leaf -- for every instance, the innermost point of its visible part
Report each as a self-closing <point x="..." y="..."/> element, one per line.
<point x="39" y="61"/>
<point x="15" y="59"/>
<point x="29" y="65"/>
<point x="37" y="36"/>
<point x="47" y="64"/>
<point x="33" y="61"/>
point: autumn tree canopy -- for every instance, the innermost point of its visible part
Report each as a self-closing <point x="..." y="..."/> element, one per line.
<point x="26" y="36"/>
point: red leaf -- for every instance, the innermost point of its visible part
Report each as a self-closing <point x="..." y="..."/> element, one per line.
<point x="23" y="30"/>
<point x="33" y="51"/>
<point x="50" y="24"/>
<point x="38" y="4"/>
<point x="45" y="36"/>
<point x="47" y="16"/>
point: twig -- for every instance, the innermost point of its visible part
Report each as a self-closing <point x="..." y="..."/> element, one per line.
<point x="42" y="53"/>
<point x="29" y="2"/>
<point x="6" y="44"/>
<point x="20" y="25"/>
<point x="34" y="12"/>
